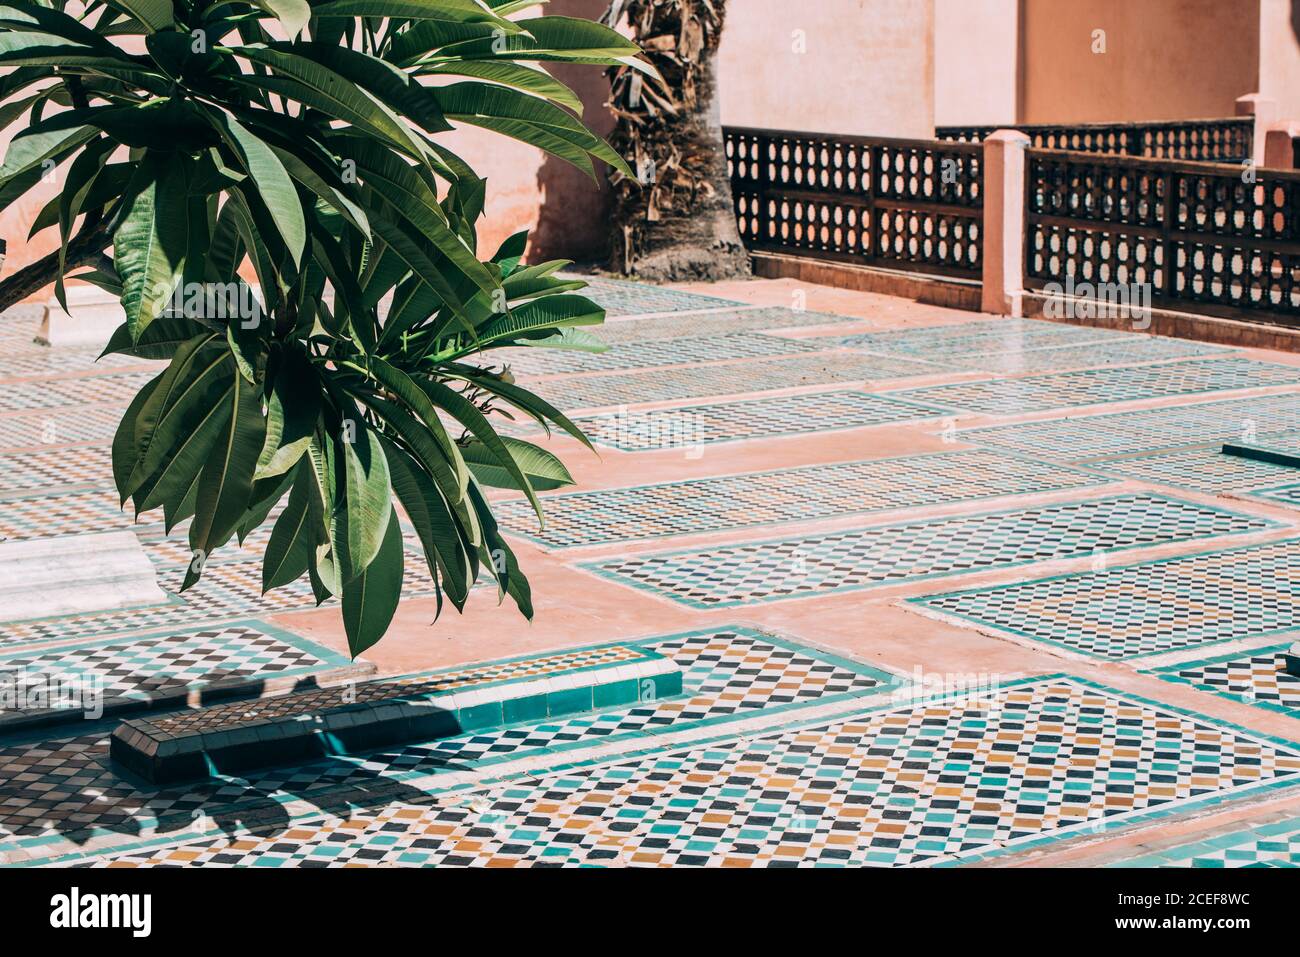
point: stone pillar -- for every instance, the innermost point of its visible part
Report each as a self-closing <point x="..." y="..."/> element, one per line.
<point x="1281" y="145"/>
<point x="1264" y="110"/>
<point x="1004" y="223"/>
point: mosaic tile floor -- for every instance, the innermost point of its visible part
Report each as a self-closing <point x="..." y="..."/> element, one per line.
<point x="1204" y="469"/>
<point x="987" y="336"/>
<point x="173" y="661"/>
<point x="32" y="361"/>
<point x="716" y="422"/>
<point x="116" y="389"/>
<point x="37" y="515"/>
<point x="692" y="382"/>
<point x="1104" y="353"/>
<point x="92" y="425"/>
<point x="946" y="782"/>
<point x="720" y="577"/>
<point x="1269" y="845"/>
<point x="1147" y="430"/>
<point x="1258" y="678"/>
<point x="25" y="471"/>
<point x="64" y="784"/>
<point x="786" y="495"/>
<point x="645" y="355"/>
<point x="725" y="323"/>
<point x="1146" y="608"/>
<point x="621" y="298"/>
<point x="1099" y="386"/>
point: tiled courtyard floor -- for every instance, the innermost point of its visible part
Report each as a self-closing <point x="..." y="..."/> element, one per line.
<point x="944" y="590"/>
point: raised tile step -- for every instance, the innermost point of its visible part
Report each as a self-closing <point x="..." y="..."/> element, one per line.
<point x="1282" y="449"/>
<point x="231" y="738"/>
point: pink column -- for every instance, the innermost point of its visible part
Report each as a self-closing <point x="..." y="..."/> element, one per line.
<point x="1264" y="111"/>
<point x="1280" y="146"/>
<point x="1004" y="223"/>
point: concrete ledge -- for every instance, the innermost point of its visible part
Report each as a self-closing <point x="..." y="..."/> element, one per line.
<point x="925" y="288"/>
<point x="289" y="729"/>
<point x="92" y="318"/>
<point x="1180" y="325"/>
<point x="75" y="574"/>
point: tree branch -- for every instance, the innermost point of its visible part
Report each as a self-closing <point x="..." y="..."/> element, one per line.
<point x="85" y="248"/>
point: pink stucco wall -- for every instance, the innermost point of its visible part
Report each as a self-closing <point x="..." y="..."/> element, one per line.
<point x="976" y="61"/>
<point x="836" y="66"/>
<point x="1279" y="55"/>
<point x="1164" y="59"/>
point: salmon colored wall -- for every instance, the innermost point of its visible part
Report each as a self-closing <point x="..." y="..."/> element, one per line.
<point x="1165" y="59"/>
<point x="976" y="55"/>
<point x="1279" y="67"/>
<point x="868" y="66"/>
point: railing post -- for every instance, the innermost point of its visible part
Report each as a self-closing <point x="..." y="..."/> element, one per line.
<point x="1281" y="146"/>
<point x="1004" y="223"/>
<point x="1264" y="111"/>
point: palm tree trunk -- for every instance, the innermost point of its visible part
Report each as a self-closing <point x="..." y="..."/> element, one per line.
<point x="675" y="221"/>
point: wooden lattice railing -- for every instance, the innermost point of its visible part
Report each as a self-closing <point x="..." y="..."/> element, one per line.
<point x="1208" y="141"/>
<point x="1206" y="238"/>
<point x="905" y="204"/>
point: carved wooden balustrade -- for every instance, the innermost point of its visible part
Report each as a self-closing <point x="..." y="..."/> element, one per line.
<point x="1207" y="141"/>
<point x="904" y="204"/>
<point x="1206" y="238"/>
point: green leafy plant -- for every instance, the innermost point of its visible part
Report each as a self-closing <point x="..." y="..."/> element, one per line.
<point x="297" y="141"/>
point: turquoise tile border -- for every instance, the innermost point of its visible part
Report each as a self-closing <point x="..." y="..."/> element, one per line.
<point x="888" y="683"/>
<point x="1171" y="674"/>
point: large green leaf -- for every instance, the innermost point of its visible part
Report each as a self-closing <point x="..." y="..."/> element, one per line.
<point x="275" y="188"/>
<point x="292" y="540"/>
<point x="544" y="470"/>
<point x="370" y="598"/>
<point x="226" y="481"/>
<point x="365" y="499"/>
<point x="149" y="246"/>
<point x="154" y="14"/>
<point x="437" y="528"/>
<point x="292" y="14"/>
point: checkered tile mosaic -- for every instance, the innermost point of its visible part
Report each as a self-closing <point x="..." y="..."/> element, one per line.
<point x="762" y="498"/>
<point x="1204" y="469"/>
<point x="646" y="355"/>
<point x="93" y="425"/>
<point x="985" y="337"/>
<point x="189" y="659"/>
<point x="1099" y="386"/>
<point x="1146" y="608"/>
<point x="30" y="361"/>
<point x="623" y="298"/>
<point x="1109" y="352"/>
<point x="68" y="513"/>
<point x="1147" y="430"/>
<point x="725" y="323"/>
<point x="945" y="782"/>
<point x="25" y="471"/>
<point x="1257" y="677"/>
<point x="692" y="382"/>
<point x="67" y="784"/>
<point x="83" y="390"/>
<point x="708" y="424"/>
<point x="724" y="576"/>
<point x="1276" y="844"/>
